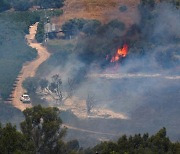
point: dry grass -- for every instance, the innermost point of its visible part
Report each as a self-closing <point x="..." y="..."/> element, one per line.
<point x="99" y="3"/>
<point x="78" y="108"/>
<point x="103" y="10"/>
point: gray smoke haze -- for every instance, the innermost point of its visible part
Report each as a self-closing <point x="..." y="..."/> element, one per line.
<point x="146" y="87"/>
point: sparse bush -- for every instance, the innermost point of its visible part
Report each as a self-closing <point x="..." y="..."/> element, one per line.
<point x="40" y="32"/>
<point x="31" y="84"/>
<point x="91" y="27"/>
<point x="116" y="24"/>
<point x="22" y="5"/>
<point x="149" y="3"/>
<point x="123" y="8"/>
<point x="73" y="27"/>
<point x="50" y="3"/>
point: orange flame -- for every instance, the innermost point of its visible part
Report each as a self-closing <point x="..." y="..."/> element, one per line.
<point x="120" y="53"/>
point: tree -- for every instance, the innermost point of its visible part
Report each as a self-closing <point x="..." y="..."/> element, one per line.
<point x="42" y="127"/>
<point x="73" y="27"/>
<point x="116" y="24"/>
<point x="70" y="87"/>
<point x="50" y="3"/>
<point x="90" y="101"/>
<point x="73" y="145"/>
<point x="123" y="143"/>
<point x="150" y="3"/>
<point x="22" y="5"/>
<point x="55" y="89"/>
<point x="43" y="83"/>
<point x="4" y="5"/>
<point x="160" y="141"/>
<point x="40" y="32"/>
<point x="12" y="141"/>
<point x="177" y="3"/>
<point x="157" y="143"/>
<point x="91" y="26"/>
<point x="31" y="84"/>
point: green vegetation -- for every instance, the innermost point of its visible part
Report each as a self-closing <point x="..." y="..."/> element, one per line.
<point x="31" y="84"/>
<point x="12" y="141"/>
<point x="40" y="32"/>
<point x="42" y="132"/>
<point x="74" y="26"/>
<point x="21" y="5"/>
<point x="177" y="2"/>
<point x="138" y="144"/>
<point x="54" y="87"/>
<point x="101" y="36"/>
<point x="14" y="52"/>
<point x="46" y="124"/>
<point x="27" y="18"/>
<point x="4" y="5"/>
<point x="24" y="5"/>
<point x="151" y="3"/>
<point x="10" y="114"/>
<point x="49" y="3"/>
<point x="105" y="38"/>
<point x="22" y="20"/>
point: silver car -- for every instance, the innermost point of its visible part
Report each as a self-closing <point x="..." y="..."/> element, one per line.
<point x="25" y="98"/>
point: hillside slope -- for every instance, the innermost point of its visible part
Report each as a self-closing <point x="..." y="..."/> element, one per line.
<point x="103" y="10"/>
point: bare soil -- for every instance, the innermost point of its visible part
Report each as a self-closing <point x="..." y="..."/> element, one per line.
<point x="78" y="107"/>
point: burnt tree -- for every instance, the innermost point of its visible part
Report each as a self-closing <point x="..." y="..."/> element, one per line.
<point x="90" y="101"/>
<point x="55" y="89"/>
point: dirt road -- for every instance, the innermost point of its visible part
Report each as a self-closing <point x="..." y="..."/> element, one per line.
<point x="30" y="68"/>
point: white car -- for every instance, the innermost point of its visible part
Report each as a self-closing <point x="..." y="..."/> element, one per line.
<point x="25" y="98"/>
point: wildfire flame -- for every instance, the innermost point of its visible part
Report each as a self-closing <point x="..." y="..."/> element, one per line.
<point x="120" y="53"/>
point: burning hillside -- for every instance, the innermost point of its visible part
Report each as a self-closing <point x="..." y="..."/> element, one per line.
<point x="145" y="87"/>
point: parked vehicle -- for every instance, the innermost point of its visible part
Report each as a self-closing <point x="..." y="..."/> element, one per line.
<point x="25" y="98"/>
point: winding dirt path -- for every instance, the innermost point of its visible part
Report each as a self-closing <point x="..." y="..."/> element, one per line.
<point x="30" y="68"/>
